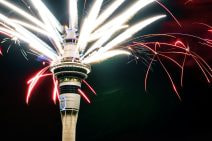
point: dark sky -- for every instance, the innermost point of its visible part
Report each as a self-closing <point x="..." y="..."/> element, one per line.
<point x="122" y="111"/>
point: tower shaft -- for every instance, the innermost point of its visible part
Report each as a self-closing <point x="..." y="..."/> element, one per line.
<point x="69" y="122"/>
<point x="69" y="107"/>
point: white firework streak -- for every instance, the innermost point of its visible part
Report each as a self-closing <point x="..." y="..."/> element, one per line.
<point x="37" y="44"/>
<point x="125" y="16"/>
<point x="108" y="12"/>
<point x="88" y="24"/>
<point x="123" y="37"/>
<point x="50" y="22"/>
<point x="73" y="13"/>
<point x="31" y="27"/>
<point x="97" y="28"/>
<point x="105" y="56"/>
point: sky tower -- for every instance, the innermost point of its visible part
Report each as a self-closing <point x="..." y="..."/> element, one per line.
<point x="70" y="72"/>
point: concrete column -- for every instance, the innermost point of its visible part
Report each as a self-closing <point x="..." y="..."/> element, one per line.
<point x="69" y="122"/>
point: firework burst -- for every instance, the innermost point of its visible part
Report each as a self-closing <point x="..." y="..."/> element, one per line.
<point x="99" y="38"/>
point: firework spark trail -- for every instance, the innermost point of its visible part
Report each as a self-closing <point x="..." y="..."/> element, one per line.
<point x="127" y="34"/>
<point x="186" y="51"/>
<point x="29" y="26"/>
<point x="188" y="1"/>
<point x="50" y="21"/>
<point x="170" y="78"/>
<point x="84" y="95"/>
<point x="115" y="24"/>
<point x="202" y="68"/>
<point x="1" y="51"/>
<point x="100" y="35"/>
<point x="147" y="72"/>
<point x="125" y="16"/>
<point x="28" y="37"/>
<point x="105" y="56"/>
<point x="5" y="33"/>
<point x="157" y="55"/>
<point x="55" y="94"/>
<point x="35" y="79"/>
<point x="87" y="24"/>
<point x="89" y="86"/>
<point x="184" y="60"/>
<point x="23" y="13"/>
<point x="108" y="12"/>
<point x="40" y="76"/>
<point x="31" y="18"/>
<point x="204" y="24"/>
<point x="177" y="46"/>
<point x="98" y="44"/>
<point x="162" y="5"/>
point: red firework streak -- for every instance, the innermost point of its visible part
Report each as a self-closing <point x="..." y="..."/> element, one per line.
<point x="55" y="94"/>
<point x="171" y="51"/>
<point x="206" y="25"/>
<point x="1" y="51"/>
<point x="89" y="86"/>
<point x="33" y="82"/>
<point x="84" y="96"/>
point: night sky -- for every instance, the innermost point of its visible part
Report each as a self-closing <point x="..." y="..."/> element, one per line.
<point x="122" y="111"/>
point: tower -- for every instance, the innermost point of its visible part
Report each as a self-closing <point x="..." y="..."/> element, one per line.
<point x="70" y="72"/>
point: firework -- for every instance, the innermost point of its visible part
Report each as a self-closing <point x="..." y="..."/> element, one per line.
<point x="73" y="49"/>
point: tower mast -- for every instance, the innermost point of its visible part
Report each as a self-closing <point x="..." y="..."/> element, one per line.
<point x="70" y="72"/>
